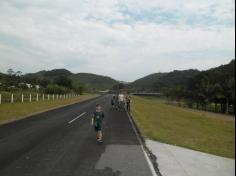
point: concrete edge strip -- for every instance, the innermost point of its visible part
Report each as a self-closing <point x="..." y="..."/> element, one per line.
<point x="151" y="158"/>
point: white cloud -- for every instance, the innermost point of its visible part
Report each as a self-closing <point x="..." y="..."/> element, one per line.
<point x="93" y="36"/>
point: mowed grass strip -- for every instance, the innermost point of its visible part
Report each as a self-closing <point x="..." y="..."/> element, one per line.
<point x="11" y="112"/>
<point x="186" y="128"/>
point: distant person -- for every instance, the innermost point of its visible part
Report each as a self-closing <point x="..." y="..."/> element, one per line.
<point x="97" y="120"/>
<point x="121" y="101"/>
<point x="128" y="101"/>
<point x="113" y="101"/>
<point x="116" y="102"/>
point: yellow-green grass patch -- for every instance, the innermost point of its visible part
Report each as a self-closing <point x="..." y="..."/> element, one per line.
<point x="184" y="127"/>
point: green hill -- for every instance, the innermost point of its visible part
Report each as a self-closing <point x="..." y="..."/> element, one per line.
<point x="175" y="78"/>
<point x="215" y="83"/>
<point x="219" y="75"/>
<point x="93" y="81"/>
<point x="89" y="81"/>
<point x="49" y="75"/>
<point x="146" y="83"/>
<point x="157" y="81"/>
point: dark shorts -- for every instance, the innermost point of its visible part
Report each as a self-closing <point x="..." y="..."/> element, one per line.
<point x="98" y="128"/>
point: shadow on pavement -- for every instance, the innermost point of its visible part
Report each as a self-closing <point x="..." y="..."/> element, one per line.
<point x="107" y="171"/>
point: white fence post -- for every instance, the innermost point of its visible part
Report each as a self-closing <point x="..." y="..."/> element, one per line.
<point x="30" y="98"/>
<point x="37" y="97"/>
<point x="0" y="98"/>
<point x="12" y="98"/>
<point x="22" y="98"/>
<point x="43" y="97"/>
<point x="48" y="97"/>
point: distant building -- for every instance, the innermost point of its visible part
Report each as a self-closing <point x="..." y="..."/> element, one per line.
<point x="37" y="87"/>
<point x="28" y="85"/>
<point x="12" y="87"/>
<point x="104" y="91"/>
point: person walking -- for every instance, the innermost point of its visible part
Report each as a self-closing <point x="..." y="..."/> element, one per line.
<point x="121" y="101"/>
<point x="128" y="101"/>
<point x="113" y="101"/>
<point x="97" y="120"/>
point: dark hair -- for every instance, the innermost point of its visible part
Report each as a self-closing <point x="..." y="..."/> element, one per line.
<point x="97" y="105"/>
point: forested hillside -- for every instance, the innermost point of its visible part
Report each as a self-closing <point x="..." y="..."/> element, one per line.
<point x="92" y="81"/>
<point x="55" y="81"/>
<point x="214" y="87"/>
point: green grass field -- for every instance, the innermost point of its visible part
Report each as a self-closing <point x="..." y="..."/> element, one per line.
<point x="198" y="130"/>
<point x="11" y="112"/>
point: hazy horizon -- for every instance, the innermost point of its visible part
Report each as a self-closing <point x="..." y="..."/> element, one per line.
<point x="122" y="39"/>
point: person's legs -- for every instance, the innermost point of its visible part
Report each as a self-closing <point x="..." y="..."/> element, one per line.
<point x="128" y="107"/>
<point x="118" y="105"/>
<point x="99" y="134"/>
<point x="123" y="106"/>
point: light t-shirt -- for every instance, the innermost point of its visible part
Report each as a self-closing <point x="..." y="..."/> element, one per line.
<point x="121" y="97"/>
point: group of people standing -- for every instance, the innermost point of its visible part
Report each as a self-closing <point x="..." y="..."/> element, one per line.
<point x="120" y="102"/>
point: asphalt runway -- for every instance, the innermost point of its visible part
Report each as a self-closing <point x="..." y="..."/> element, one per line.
<point x="62" y="142"/>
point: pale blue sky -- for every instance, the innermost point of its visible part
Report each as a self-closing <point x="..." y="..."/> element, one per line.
<point x="124" y="39"/>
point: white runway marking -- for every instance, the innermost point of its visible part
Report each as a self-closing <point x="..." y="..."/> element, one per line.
<point x="77" y="117"/>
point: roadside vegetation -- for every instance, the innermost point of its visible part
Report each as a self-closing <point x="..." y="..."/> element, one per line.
<point x="11" y="112"/>
<point x="210" y="90"/>
<point x="198" y="130"/>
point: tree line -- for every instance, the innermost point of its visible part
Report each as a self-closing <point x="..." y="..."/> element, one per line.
<point x="15" y="81"/>
<point x="214" y="87"/>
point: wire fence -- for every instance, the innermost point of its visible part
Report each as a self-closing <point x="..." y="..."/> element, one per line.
<point x="34" y="97"/>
